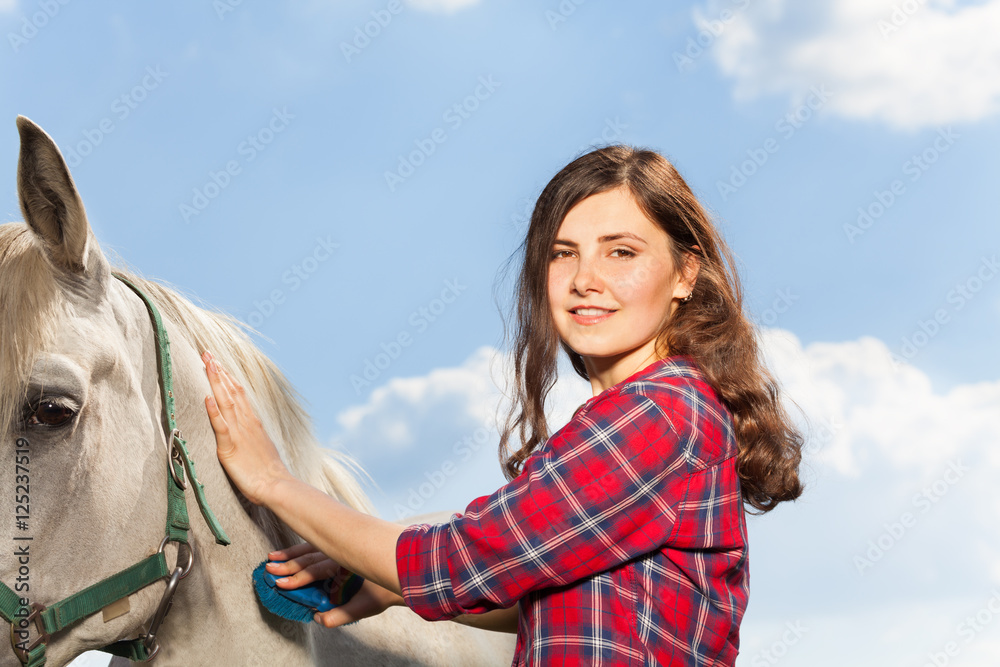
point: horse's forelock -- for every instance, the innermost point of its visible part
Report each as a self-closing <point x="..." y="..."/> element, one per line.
<point x="29" y="299"/>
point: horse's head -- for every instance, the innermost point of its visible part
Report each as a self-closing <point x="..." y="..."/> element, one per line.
<point x="83" y="480"/>
<point x="84" y="438"/>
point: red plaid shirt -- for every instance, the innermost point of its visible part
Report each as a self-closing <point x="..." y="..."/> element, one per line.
<point x="623" y="538"/>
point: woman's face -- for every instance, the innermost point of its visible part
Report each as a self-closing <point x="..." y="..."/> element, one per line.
<point x="612" y="284"/>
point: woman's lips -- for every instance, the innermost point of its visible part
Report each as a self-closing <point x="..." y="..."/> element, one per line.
<point x="591" y="315"/>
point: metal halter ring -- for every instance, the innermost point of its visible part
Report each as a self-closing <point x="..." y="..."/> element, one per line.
<point x="180" y="547"/>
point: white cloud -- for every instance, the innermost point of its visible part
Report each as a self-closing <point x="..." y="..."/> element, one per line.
<point x="412" y="429"/>
<point x="864" y="410"/>
<point x="907" y="63"/>
<point x="441" y="6"/>
<point x="468" y="394"/>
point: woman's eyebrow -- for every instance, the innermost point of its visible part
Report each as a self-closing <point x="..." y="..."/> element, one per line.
<point x="621" y="235"/>
<point x="607" y="238"/>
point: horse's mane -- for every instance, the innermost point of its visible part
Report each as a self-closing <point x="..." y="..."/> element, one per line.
<point x="28" y="302"/>
<point x="274" y="399"/>
<point x="25" y="300"/>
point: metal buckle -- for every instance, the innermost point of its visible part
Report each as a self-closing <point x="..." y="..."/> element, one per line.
<point x="43" y="636"/>
<point x="174" y="454"/>
<point x="181" y="546"/>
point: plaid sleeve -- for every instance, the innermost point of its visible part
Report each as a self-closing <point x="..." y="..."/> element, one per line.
<point x="600" y="492"/>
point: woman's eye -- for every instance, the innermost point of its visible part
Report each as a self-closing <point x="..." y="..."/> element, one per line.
<point x="559" y="254"/>
<point x="623" y="252"/>
<point x="50" y="413"/>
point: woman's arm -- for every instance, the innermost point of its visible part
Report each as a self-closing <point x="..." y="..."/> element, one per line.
<point x="359" y="542"/>
<point x="498" y="620"/>
<point x="303" y="564"/>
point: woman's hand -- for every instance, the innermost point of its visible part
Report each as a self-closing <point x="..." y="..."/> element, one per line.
<point x="305" y="564"/>
<point x="364" y="544"/>
<point x="243" y="447"/>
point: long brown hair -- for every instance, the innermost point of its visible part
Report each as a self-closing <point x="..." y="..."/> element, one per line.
<point x="711" y="328"/>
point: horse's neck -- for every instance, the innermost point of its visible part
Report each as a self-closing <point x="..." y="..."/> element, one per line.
<point x="215" y="613"/>
<point x="216" y="619"/>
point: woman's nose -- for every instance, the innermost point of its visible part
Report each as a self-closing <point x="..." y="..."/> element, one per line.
<point x="587" y="277"/>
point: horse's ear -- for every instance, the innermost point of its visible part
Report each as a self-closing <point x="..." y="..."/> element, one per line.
<point x="52" y="207"/>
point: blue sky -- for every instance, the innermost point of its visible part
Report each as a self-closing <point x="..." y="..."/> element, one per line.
<point x="348" y="177"/>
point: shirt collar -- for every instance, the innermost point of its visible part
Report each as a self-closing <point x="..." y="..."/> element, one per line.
<point x="678" y="365"/>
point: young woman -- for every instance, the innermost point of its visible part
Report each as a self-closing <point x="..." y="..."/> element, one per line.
<point x="621" y="538"/>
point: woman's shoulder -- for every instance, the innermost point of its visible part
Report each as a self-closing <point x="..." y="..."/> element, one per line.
<point x="690" y="408"/>
<point x="669" y="380"/>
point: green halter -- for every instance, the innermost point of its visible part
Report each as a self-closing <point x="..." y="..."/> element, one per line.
<point x="66" y="612"/>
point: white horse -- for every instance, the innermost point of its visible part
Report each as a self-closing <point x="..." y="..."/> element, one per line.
<point x="80" y="392"/>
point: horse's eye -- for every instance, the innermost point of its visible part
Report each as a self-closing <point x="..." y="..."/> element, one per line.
<point x="50" y="413"/>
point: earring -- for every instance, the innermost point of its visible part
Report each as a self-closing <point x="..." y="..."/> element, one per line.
<point x="687" y="298"/>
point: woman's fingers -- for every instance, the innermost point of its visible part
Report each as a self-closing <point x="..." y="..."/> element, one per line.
<point x="294" y="565"/>
<point x="362" y="605"/>
<point x="370" y="600"/>
<point x="337" y="616"/>
<point x="303" y="564"/>
<point x="222" y="394"/>
<point x="291" y="552"/>
<point x="235" y="391"/>
<point x="219" y="423"/>
<point x="246" y="452"/>
<point x="318" y="571"/>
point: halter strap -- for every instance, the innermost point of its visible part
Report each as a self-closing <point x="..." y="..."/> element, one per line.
<point x="66" y="612"/>
<point x="180" y="458"/>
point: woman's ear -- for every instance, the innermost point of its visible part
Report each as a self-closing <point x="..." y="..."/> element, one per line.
<point x="691" y="267"/>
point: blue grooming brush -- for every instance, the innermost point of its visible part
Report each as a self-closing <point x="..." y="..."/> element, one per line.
<point x="299" y="604"/>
